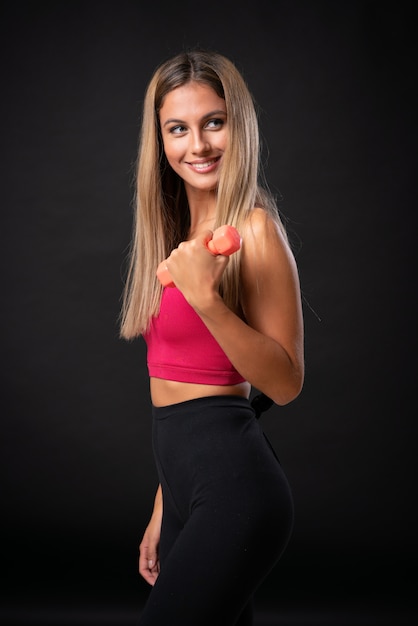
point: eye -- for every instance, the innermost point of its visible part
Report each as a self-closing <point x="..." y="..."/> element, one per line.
<point x="177" y="130"/>
<point x="215" y="123"/>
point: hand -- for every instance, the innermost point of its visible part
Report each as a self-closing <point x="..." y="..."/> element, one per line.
<point x="148" y="562"/>
<point x="195" y="270"/>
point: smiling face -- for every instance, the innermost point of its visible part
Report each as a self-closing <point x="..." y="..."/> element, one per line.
<point x="194" y="131"/>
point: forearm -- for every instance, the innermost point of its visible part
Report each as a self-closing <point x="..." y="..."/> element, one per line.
<point x="259" y="358"/>
<point x="158" y="502"/>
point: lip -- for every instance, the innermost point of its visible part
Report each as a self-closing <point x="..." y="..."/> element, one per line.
<point x="204" y="166"/>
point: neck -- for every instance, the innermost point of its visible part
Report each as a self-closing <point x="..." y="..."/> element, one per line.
<point x="202" y="212"/>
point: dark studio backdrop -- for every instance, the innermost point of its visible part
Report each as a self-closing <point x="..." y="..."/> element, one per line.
<point x="334" y="85"/>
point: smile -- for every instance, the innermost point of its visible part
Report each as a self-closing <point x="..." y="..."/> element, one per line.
<point x="207" y="165"/>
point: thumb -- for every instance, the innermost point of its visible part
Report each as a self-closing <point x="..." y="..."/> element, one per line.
<point x="207" y="236"/>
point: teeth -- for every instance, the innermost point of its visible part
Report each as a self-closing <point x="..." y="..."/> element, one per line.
<point x="201" y="166"/>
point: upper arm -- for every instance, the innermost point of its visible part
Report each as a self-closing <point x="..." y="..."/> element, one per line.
<point x="271" y="298"/>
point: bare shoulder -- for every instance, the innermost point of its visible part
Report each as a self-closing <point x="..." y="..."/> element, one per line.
<point x="259" y="221"/>
<point x="265" y="242"/>
<point x="269" y="279"/>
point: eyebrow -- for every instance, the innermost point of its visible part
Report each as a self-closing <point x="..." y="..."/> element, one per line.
<point x="173" y="120"/>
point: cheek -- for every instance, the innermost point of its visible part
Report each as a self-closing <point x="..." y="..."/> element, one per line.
<point x="171" y="151"/>
<point x="224" y="140"/>
<point x="171" y="160"/>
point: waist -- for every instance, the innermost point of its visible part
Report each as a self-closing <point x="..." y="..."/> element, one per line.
<point x="168" y="392"/>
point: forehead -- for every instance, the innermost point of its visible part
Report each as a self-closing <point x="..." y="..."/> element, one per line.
<point x="192" y="99"/>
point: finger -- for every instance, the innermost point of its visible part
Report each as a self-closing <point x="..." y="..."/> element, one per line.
<point x="207" y="236"/>
<point x="149" y="572"/>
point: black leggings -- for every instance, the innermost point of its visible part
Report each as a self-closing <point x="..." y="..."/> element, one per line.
<point x="227" y="512"/>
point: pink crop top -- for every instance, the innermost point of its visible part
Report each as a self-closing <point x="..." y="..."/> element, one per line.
<point x="181" y="348"/>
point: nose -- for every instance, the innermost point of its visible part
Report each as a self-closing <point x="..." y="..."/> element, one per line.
<point x="200" y="144"/>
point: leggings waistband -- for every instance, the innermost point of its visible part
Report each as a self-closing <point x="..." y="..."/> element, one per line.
<point x="197" y="404"/>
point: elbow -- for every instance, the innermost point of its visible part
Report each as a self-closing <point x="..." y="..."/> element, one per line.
<point x="287" y="397"/>
<point x="286" y="392"/>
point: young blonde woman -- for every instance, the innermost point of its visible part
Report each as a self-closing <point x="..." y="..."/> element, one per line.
<point x="223" y="510"/>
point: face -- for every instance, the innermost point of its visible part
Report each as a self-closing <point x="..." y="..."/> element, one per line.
<point x="194" y="131"/>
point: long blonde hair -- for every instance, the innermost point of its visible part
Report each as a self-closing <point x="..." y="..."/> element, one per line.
<point x="161" y="217"/>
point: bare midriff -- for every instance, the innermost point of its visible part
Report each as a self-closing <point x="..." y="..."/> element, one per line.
<point x="166" y="392"/>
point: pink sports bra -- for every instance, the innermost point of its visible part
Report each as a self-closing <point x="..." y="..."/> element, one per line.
<point x="181" y="348"/>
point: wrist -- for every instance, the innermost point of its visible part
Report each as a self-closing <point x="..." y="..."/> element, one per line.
<point x="211" y="307"/>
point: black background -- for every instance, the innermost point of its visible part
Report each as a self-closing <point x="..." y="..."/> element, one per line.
<point x="334" y="83"/>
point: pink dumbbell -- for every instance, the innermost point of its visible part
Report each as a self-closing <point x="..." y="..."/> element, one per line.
<point x="225" y="240"/>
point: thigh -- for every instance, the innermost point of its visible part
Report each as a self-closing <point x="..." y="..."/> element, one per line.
<point x="229" y="544"/>
<point x="197" y="584"/>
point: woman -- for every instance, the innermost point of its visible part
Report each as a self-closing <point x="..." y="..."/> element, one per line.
<point x="223" y="510"/>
